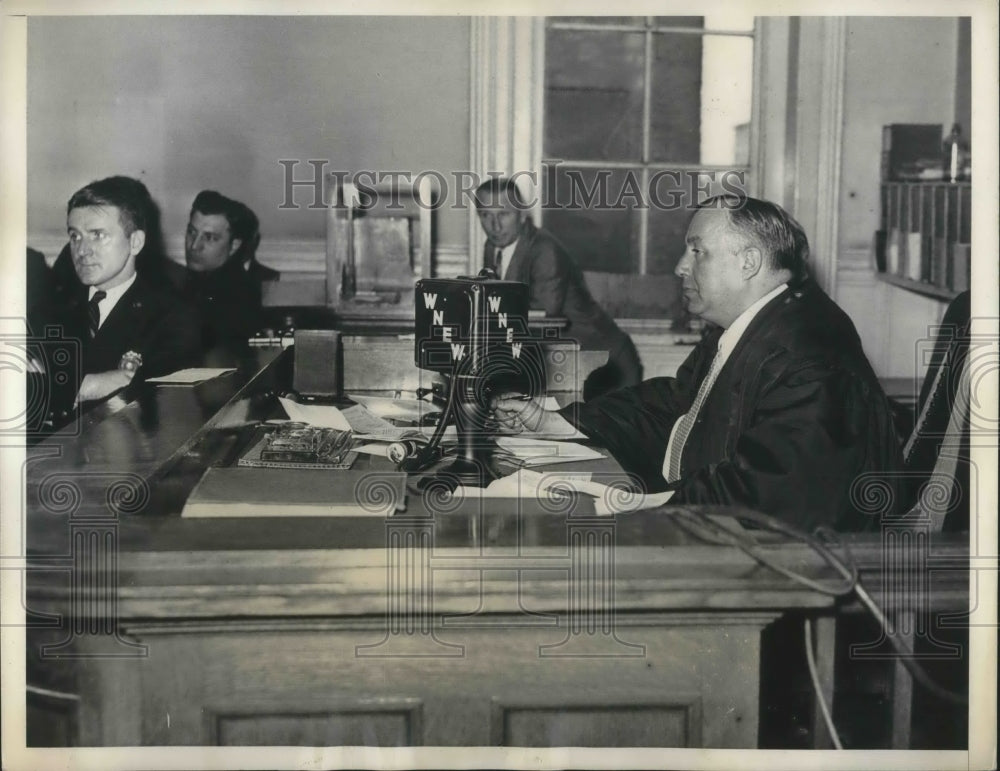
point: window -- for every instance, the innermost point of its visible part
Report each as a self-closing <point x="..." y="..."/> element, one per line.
<point x="643" y="118"/>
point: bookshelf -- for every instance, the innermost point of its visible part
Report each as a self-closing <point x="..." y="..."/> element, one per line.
<point x="923" y="244"/>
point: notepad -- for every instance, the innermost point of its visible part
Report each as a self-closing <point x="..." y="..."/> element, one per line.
<point x="267" y="492"/>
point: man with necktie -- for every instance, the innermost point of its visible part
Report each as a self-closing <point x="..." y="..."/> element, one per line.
<point x="777" y="408"/>
<point x="519" y="251"/>
<point x="122" y="325"/>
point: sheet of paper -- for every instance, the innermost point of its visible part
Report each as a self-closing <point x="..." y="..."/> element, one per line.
<point x="532" y="451"/>
<point x="321" y="415"/>
<point x="622" y="502"/>
<point x="396" y="409"/>
<point x="191" y="375"/>
<point x="368" y="426"/>
<point x="608" y="500"/>
<point x="530" y="484"/>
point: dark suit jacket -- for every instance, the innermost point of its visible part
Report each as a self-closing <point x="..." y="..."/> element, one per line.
<point x="228" y="301"/>
<point x="261" y="273"/>
<point x="149" y="319"/>
<point x="795" y="416"/>
<point x="557" y="286"/>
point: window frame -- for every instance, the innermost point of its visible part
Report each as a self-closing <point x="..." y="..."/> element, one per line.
<point x="645" y="166"/>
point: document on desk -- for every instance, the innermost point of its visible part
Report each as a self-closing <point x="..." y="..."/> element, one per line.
<point x="319" y="415"/>
<point x="191" y="375"/>
<point x="396" y="409"/>
<point x="525" y="483"/>
<point x="530" y="451"/>
<point x="608" y="499"/>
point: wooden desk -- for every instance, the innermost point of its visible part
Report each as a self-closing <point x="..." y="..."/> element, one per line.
<point x="483" y="624"/>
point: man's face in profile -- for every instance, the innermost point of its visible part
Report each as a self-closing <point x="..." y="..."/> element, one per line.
<point x="209" y="242"/>
<point x="103" y="253"/>
<point x="711" y="268"/>
<point x="501" y="219"/>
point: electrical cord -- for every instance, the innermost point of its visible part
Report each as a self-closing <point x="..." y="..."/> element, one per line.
<point x="814" y="675"/>
<point x="848" y="571"/>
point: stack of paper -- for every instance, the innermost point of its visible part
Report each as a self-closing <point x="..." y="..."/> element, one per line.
<point x="530" y="451"/>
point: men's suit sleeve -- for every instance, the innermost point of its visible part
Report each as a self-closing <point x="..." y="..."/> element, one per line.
<point x="634" y="423"/>
<point x="549" y="278"/>
<point x="812" y="429"/>
<point x="173" y="341"/>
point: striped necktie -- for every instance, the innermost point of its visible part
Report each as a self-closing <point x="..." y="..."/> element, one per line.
<point x="498" y="262"/>
<point x="672" y="463"/>
<point x="94" y="311"/>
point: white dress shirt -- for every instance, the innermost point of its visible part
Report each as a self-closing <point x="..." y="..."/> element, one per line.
<point x="727" y="342"/>
<point x="111" y="298"/>
<point x="506" y="255"/>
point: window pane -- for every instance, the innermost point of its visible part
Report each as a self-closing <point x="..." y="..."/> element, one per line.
<point x="637" y="21"/>
<point x="696" y="22"/>
<point x="701" y="99"/>
<point x="593" y="216"/>
<point x="593" y="95"/>
<point x="713" y="22"/>
<point x="730" y="22"/>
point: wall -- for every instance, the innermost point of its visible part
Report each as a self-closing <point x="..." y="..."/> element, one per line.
<point x="186" y="103"/>
<point x="897" y="70"/>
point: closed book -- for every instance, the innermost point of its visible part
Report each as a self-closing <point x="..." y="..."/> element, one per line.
<point x="278" y="492"/>
<point x="914" y="256"/>
<point x="939" y="263"/>
<point x="961" y="267"/>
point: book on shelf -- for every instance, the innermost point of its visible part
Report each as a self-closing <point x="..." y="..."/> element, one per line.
<point x="961" y="266"/>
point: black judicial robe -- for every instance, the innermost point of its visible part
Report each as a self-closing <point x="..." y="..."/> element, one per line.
<point x="795" y="417"/>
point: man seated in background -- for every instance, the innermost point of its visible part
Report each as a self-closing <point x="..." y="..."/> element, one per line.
<point x="777" y="409"/>
<point x="222" y="278"/>
<point x="125" y="325"/>
<point x="519" y="251"/>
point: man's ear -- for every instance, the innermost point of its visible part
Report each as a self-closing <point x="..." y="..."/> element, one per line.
<point x="234" y="245"/>
<point x="136" y="241"/>
<point x="751" y="261"/>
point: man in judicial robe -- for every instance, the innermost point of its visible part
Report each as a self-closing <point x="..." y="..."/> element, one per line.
<point x="777" y="409"/>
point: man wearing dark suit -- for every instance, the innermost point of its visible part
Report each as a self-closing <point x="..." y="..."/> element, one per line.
<point x="222" y="277"/>
<point x="519" y="251"/>
<point x="777" y="409"/>
<point x="126" y="327"/>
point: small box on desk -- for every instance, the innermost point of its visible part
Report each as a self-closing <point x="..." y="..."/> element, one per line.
<point x="908" y="149"/>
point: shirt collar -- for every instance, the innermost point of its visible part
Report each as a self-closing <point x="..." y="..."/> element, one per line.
<point x="506" y="255"/>
<point x="112" y="295"/>
<point x="733" y="333"/>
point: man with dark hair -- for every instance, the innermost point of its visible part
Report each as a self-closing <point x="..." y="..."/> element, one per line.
<point x="519" y="251"/>
<point x="777" y="408"/>
<point x="127" y="326"/>
<point x="223" y="278"/>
